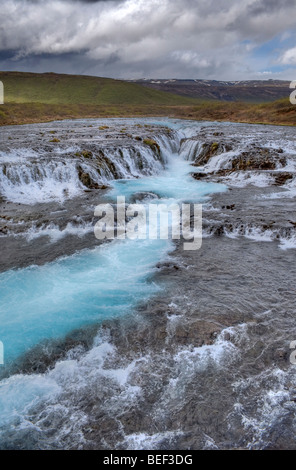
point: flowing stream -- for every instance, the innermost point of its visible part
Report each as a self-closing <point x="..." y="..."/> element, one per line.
<point x="48" y="301"/>
<point x="44" y="303"/>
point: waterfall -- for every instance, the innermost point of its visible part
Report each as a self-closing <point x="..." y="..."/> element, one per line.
<point x="29" y="176"/>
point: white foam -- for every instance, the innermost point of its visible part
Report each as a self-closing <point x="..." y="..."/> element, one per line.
<point x="145" y="441"/>
<point x="259" y="235"/>
<point x="252" y="233"/>
<point x="40" y="182"/>
<point x="234" y="233"/>
<point x="272" y="402"/>
<point x="223" y="161"/>
<point x="50" y="395"/>
<point x="288" y="243"/>
<point x="242" y="179"/>
<point x="20" y="393"/>
<point x="200" y="357"/>
<point x="29" y="177"/>
<point x="190" y="149"/>
<point x="55" y="233"/>
<point x="221" y="353"/>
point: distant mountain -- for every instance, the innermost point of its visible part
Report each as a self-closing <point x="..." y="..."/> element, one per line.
<point x="251" y="91"/>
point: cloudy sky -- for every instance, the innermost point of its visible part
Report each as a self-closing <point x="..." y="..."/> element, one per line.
<point x="222" y="40"/>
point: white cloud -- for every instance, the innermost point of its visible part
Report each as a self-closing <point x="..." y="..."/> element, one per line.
<point x="289" y="57"/>
<point x="122" y="38"/>
<point x="191" y="58"/>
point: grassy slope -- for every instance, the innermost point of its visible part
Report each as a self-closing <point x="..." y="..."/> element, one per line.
<point x="33" y="97"/>
<point x="280" y="112"/>
<point x="60" y="89"/>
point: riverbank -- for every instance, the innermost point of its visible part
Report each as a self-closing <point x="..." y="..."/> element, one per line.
<point x="281" y="113"/>
<point x="33" y="98"/>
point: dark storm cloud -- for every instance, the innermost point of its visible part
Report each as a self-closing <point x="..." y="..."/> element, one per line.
<point x="96" y="1"/>
<point x="266" y="7"/>
<point x="7" y="54"/>
<point x="136" y="38"/>
<point x="80" y="1"/>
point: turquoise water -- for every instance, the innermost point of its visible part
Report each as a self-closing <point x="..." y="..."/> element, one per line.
<point x="174" y="184"/>
<point x="47" y="302"/>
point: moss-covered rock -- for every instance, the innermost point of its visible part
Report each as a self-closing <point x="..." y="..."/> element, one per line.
<point x="86" y="179"/>
<point x="208" y="150"/>
<point x="84" y="154"/>
<point x="152" y="144"/>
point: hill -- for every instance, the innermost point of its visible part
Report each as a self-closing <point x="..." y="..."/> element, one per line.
<point x="250" y="91"/>
<point x="52" y="88"/>
<point x="30" y="97"/>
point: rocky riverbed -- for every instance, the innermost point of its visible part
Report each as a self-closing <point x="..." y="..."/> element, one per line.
<point x="53" y="175"/>
<point x="205" y="362"/>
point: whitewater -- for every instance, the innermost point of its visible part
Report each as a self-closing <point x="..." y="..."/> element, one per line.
<point x="129" y="343"/>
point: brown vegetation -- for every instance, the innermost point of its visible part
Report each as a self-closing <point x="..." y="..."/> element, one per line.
<point x="278" y="113"/>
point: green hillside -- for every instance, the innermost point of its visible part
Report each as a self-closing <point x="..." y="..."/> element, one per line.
<point x="30" y="97"/>
<point x="51" y="88"/>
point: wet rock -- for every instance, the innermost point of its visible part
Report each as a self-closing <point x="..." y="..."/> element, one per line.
<point x="198" y="176"/>
<point x="142" y="196"/>
<point x="196" y="333"/>
<point x="282" y="178"/>
<point x="280" y="354"/>
<point x="84" y="154"/>
<point x="152" y="144"/>
<point x="134" y="421"/>
<point x="86" y="179"/>
<point x="229" y="207"/>
<point x="245" y="162"/>
<point x="210" y="149"/>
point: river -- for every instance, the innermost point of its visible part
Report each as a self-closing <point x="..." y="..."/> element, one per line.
<point x="138" y="344"/>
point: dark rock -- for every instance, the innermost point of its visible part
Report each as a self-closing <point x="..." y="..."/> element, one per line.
<point x="86" y="179"/>
<point x="282" y="178"/>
